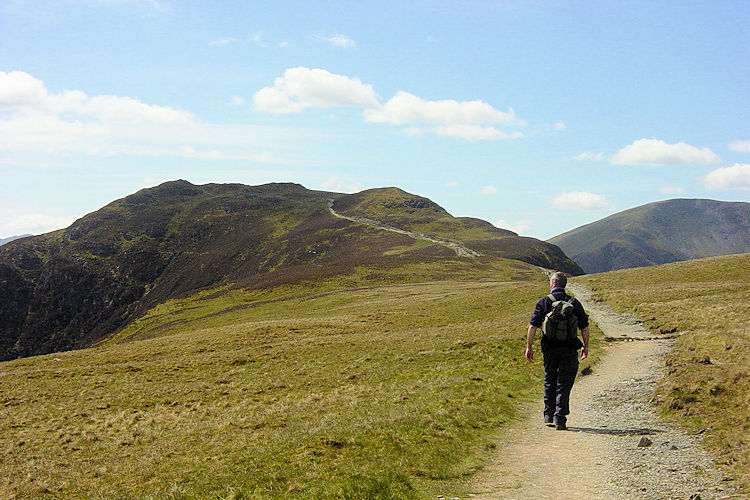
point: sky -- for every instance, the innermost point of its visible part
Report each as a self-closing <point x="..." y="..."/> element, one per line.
<point x="537" y="116"/>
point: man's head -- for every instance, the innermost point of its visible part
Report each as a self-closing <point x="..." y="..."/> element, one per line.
<point x="558" y="280"/>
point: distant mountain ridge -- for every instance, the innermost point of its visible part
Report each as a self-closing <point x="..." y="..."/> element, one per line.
<point x="69" y="288"/>
<point x="3" y="241"/>
<point x="658" y="233"/>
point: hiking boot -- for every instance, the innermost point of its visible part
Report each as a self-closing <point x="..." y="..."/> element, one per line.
<point x="560" y="424"/>
<point x="548" y="421"/>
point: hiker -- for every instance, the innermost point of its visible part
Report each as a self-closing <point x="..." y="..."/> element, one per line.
<point x="560" y="316"/>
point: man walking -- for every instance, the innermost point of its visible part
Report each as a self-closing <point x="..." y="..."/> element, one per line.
<point x="561" y="316"/>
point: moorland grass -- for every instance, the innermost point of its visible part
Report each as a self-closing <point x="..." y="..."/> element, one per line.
<point x="223" y="305"/>
<point x="707" y="383"/>
<point x="389" y="391"/>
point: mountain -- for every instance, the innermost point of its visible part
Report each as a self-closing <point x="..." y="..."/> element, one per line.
<point x="70" y="288"/>
<point x="3" y="241"/>
<point x="658" y="233"/>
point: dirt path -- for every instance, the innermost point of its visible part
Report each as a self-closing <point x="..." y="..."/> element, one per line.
<point x="599" y="456"/>
<point x="460" y="249"/>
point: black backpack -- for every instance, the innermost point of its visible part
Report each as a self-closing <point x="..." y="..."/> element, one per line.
<point x="560" y="323"/>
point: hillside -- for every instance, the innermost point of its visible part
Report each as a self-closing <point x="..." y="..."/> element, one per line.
<point x="355" y="392"/>
<point x="421" y="215"/>
<point x="73" y="287"/>
<point x="658" y="233"/>
<point x="402" y="391"/>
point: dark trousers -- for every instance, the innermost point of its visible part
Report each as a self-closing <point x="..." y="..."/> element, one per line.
<point x="560" y="369"/>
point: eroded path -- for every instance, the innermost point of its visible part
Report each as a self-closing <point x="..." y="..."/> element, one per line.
<point x="599" y="457"/>
<point x="460" y="249"/>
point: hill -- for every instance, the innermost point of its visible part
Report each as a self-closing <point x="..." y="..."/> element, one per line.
<point x="70" y="288"/>
<point x="658" y="233"/>
<point x="420" y="215"/>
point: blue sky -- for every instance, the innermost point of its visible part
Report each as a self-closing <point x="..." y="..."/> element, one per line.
<point x="536" y="116"/>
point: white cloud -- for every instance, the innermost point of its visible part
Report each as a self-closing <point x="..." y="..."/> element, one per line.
<point x="302" y="88"/>
<point x="20" y="90"/>
<point x="560" y="126"/>
<point x="237" y="101"/>
<point x="581" y="201"/>
<point x="24" y="94"/>
<point x="736" y="177"/>
<point x="520" y="227"/>
<point x="115" y="109"/>
<point x="588" y="155"/>
<point x="34" y="120"/>
<point x="488" y="190"/>
<point x="672" y="190"/>
<point x="340" y="185"/>
<point x="475" y="133"/>
<point x="53" y="135"/>
<point x="47" y="133"/>
<point x="33" y="224"/>
<point x="342" y="41"/>
<point x="468" y="120"/>
<point x="451" y="184"/>
<point x="740" y="146"/>
<point x="655" y="152"/>
<point x="222" y="41"/>
<point x="283" y="45"/>
<point x="408" y="108"/>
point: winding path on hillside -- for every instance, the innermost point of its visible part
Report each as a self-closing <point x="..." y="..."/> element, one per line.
<point x="460" y="249"/>
<point x="599" y="457"/>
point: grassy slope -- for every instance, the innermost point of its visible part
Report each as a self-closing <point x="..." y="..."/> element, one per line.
<point x="415" y="213"/>
<point x="707" y="386"/>
<point x="387" y="391"/>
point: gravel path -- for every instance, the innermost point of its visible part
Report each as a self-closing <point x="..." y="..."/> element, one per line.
<point x="599" y="457"/>
<point x="460" y="249"/>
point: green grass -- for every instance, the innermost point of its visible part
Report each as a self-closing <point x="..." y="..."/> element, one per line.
<point x="707" y="382"/>
<point x="231" y="304"/>
<point x="387" y="391"/>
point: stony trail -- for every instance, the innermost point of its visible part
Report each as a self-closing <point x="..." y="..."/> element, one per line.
<point x="460" y="249"/>
<point x="599" y="457"/>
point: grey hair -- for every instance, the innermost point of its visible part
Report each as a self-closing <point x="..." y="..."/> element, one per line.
<point x="559" y="279"/>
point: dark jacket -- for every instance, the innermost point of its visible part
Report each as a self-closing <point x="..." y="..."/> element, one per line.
<point x="541" y="309"/>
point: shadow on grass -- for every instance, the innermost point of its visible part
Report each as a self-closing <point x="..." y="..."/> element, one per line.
<point x="617" y="432"/>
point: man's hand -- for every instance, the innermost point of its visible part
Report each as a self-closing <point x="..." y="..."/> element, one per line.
<point x="530" y="342"/>
<point x="585" y="337"/>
